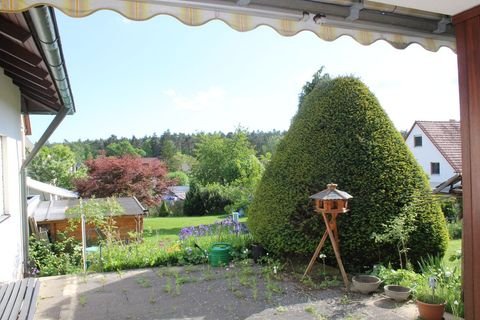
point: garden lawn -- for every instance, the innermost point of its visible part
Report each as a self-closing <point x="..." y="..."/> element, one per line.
<point x="453" y="247"/>
<point x="168" y="228"/>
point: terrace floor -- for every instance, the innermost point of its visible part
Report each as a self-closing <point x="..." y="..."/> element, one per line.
<point x="201" y="292"/>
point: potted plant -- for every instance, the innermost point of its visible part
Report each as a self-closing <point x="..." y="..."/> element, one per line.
<point x="430" y="304"/>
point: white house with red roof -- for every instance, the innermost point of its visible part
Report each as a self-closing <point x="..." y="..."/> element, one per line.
<point x="437" y="147"/>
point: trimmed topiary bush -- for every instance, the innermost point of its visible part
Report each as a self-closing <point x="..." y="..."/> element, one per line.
<point x="342" y="135"/>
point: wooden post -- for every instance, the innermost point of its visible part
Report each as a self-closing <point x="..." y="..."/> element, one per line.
<point x="336" y="250"/>
<point x="331" y="231"/>
<point x="315" y="255"/>
<point x="84" y="238"/>
<point x="467" y="29"/>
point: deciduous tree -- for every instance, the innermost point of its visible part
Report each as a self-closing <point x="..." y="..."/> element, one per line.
<point x="123" y="148"/>
<point x="126" y="176"/>
<point x="55" y="165"/>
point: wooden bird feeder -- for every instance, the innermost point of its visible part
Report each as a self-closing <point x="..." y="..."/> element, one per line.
<point x="330" y="203"/>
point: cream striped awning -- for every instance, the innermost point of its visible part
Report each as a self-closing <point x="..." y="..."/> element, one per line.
<point x="287" y="22"/>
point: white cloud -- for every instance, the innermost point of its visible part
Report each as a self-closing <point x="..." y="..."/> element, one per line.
<point x="209" y="99"/>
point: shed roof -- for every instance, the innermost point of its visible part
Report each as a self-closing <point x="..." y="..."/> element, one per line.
<point x="445" y="135"/>
<point x="55" y="210"/>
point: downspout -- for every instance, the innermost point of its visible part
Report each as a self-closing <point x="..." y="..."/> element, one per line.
<point x="43" y="24"/>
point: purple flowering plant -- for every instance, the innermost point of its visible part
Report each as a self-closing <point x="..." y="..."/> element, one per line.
<point x="220" y="229"/>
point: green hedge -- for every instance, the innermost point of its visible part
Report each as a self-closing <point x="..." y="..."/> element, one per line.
<point x="206" y="200"/>
<point x="341" y="134"/>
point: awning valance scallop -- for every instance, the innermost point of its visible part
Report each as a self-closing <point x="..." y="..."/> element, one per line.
<point x="366" y="24"/>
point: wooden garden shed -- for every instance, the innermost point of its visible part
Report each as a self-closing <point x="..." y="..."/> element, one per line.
<point x="52" y="217"/>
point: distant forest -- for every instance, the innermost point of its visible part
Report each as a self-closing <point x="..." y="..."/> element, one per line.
<point x="161" y="146"/>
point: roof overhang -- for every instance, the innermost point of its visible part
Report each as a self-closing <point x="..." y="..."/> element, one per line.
<point x="23" y="59"/>
<point x="399" y="22"/>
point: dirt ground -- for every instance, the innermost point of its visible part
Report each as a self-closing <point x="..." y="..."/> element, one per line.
<point x="201" y="292"/>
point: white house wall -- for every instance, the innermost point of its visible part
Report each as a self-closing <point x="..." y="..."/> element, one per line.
<point x="428" y="153"/>
<point x="11" y="133"/>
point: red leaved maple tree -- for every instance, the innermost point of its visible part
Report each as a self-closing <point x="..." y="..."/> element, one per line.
<point x="125" y="177"/>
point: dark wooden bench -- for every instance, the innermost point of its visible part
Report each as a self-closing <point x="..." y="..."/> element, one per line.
<point x="18" y="299"/>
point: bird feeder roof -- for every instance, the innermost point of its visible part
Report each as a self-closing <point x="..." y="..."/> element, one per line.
<point x="331" y="193"/>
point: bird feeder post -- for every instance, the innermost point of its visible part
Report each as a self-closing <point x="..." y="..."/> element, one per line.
<point x="330" y="203"/>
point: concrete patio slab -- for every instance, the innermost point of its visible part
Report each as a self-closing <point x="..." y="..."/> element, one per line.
<point x="202" y="293"/>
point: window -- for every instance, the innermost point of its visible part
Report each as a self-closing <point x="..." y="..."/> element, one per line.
<point x="417" y="141"/>
<point x="434" y="168"/>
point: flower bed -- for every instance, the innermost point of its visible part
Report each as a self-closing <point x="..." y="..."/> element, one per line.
<point x="190" y="249"/>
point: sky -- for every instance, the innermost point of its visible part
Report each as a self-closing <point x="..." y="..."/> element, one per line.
<point x="139" y="78"/>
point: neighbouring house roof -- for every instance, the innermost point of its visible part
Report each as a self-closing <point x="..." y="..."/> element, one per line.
<point x="445" y="135"/>
<point x="22" y="58"/>
<point x="56" y="210"/>
<point x="179" y="191"/>
<point x="50" y="189"/>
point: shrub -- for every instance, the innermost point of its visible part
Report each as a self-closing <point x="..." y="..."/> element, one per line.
<point x="455" y="229"/>
<point x="341" y="134"/>
<point x="51" y="259"/>
<point x="402" y="277"/>
<point x="211" y="199"/>
<point x="180" y="178"/>
<point x="451" y="208"/>
<point x="163" y="210"/>
<point x="176" y="208"/>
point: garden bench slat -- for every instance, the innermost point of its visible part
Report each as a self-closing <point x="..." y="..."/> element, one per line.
<point x="18" y="300"/>
<point x="11" y="300"/>
<point x="6" y="297"/>
<point x="30" y="303"/>
<point x="3" y="289"/>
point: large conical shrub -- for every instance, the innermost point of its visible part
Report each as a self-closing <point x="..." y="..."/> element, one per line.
<point x="341" y="134"/>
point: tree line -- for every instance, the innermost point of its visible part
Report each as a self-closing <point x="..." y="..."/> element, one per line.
<point x="166" y="145"/>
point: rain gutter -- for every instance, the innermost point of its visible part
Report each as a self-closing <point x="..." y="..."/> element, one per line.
<point x="43" y="25"/>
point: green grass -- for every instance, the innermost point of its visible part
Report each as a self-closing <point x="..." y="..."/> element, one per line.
<point x="167" y="229"/>
<point x="453" y="246"/>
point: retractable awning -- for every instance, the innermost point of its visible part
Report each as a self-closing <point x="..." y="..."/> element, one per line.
<point x="364" y="21"/>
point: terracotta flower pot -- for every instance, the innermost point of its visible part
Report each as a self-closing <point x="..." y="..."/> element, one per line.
<point x="429" y="311"/>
